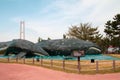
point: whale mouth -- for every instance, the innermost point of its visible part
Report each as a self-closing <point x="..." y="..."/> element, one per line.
<point x="94" y="48"/>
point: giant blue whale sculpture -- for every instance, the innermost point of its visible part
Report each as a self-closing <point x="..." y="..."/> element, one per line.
<point x="22" y="47"/>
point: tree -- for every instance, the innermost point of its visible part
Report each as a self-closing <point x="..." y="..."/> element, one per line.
<point x="112" y="30"/>
<point x="85" y="32"/>
<point x="40" y="39"/>
<point x="104" y="43"/>
<point x="64" y="36"/>
<point x="49" y="38"/>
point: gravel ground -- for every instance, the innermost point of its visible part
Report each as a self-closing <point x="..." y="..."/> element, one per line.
<point x="26" y="72"/>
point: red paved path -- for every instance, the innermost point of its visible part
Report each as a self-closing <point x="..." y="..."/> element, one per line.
<point x="26" y="72"/>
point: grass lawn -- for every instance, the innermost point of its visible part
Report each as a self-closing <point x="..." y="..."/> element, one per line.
<point x="114" y="55"/>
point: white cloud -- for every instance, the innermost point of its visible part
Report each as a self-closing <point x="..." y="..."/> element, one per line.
<point x="8" y="36"/>
<point x="46" y="29"/>
<point x="104" y="11"/>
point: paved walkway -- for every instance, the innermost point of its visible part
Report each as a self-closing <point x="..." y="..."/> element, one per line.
<point x="26" y="72"/>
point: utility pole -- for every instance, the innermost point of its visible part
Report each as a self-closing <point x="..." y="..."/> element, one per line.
<point x="22" y="30"/>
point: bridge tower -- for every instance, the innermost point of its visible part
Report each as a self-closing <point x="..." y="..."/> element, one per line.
<point x="22" y="30"/>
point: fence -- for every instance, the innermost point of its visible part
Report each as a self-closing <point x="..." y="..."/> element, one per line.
<point x="68" y="65"/>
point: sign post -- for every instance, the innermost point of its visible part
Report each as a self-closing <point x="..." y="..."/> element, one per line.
<point x="79" y="64"/>
<point x="78" y="54"/>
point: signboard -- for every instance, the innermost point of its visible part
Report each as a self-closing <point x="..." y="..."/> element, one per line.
<point x="78" y="53"/>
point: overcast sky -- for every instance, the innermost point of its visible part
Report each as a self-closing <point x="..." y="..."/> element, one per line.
<point x="52" y="18"/>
